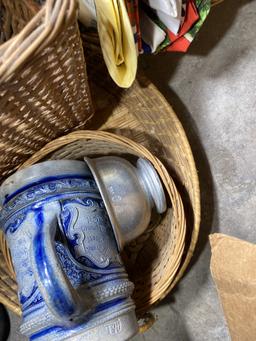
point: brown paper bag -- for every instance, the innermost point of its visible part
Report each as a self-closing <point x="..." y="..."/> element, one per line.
<point x="233" y="268"/>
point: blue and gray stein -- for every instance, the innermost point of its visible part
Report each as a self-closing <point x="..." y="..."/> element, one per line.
<point x="71" y="281"/>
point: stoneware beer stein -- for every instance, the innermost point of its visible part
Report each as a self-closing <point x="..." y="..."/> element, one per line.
<point x="71" y="281"/>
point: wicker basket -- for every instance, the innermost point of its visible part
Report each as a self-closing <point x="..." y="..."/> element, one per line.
<point x="142" y="114"/>
<point x="43" y="82"/>
<point x="157" y="253"/>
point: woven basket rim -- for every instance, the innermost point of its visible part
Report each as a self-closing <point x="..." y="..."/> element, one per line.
<point x="140" y="150"/>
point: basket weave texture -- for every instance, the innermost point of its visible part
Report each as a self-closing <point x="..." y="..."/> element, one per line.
<point x="44" y="91"/>
<point x="142" y="114"/>
<point x="164" y="241"/>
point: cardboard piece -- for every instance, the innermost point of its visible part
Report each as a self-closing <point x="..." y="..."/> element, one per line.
<point x="233" y="268"/>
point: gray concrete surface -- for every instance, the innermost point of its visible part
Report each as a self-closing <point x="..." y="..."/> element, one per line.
<point x="212" y="89"/>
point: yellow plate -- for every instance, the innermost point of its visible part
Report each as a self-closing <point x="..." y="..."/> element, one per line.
<point x="117" y="41"/>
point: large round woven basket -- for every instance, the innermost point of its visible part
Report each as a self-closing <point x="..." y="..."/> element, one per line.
<point x="142" y="114"/>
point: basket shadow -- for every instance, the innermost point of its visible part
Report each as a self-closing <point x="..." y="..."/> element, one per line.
<point x="209" y="213"/>
<point x="216" y="26"/>
<point x="141" y="276"/>
<point x="105" y="93"/>
<point x="213" y="31"/>
<point x="4" y="323"/>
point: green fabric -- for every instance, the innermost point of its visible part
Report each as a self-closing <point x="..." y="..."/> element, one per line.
<point x="203" y="7"/>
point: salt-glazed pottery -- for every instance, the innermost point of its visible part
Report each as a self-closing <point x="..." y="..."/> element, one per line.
<point x="71" y="281"/>
<point x="129" y="194"/>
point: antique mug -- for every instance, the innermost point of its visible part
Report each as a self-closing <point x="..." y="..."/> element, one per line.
<point x="71" y="281"/>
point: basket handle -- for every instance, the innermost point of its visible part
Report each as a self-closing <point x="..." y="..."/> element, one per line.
<point x="59" y="295"/>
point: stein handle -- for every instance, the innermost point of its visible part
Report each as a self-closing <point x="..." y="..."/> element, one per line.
<point x="59" y="295"/>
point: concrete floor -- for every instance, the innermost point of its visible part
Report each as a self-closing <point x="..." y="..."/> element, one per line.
<point x="212" y="89"/>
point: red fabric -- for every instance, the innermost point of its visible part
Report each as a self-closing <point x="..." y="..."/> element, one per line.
<point x="179" y="42"/>
<point x="180" y="45"/>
